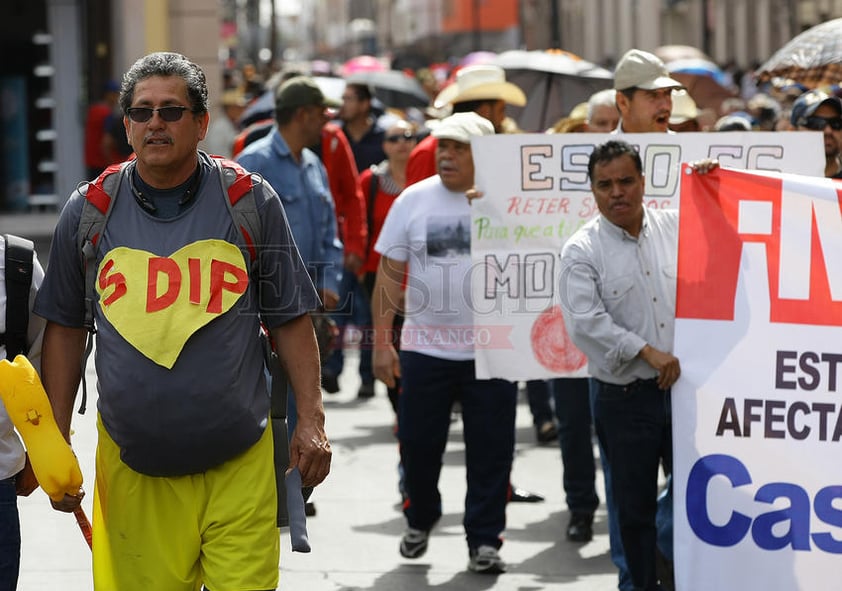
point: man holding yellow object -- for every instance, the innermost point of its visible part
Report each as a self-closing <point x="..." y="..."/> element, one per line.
<point x="16" y="476"/>
<point x="185" y="488"/>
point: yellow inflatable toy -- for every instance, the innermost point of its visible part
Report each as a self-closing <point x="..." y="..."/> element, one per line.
<point x="53" y="461"/>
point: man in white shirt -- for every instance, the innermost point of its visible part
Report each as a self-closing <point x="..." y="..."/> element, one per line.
<point x="426" y="239"/>
<point x="618" y="276"/>
<point x="645" y="92"/>
<point x="16" y="475"/>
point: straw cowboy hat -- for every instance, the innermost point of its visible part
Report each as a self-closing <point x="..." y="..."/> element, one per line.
<point x="481" y="82"/>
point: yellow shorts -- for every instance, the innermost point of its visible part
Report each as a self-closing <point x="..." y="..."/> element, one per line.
<point x="216" y="528"/>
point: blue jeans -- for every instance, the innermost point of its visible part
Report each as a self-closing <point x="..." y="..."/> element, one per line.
<point x="575" y="438"/>
<point x="9" y="536"/>
<point x="618" y="557"/>
<point x="633" y="424"/>
<point x="354" y="309"/>
<point x="538" y="396"/>
<point x="430" y="386"/>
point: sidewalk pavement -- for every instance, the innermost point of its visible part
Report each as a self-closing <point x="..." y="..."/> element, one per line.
<point x="358" y="525"/>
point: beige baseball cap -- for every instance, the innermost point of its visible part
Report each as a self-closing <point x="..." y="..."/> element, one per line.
<point x="641" y="69"/>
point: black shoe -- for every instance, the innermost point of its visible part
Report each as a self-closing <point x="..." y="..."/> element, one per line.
<point x="520" y="495"/>
<point x="546" y="432"/>
<point x="330" y="383"/>
<point x="310" y="509"/>
<point x="366" y="390"/>
<point x="580" y="528"/>
<point x="664" y="571"/>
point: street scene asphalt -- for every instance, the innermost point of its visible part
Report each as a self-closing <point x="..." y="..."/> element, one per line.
<point x="358" y="525"/>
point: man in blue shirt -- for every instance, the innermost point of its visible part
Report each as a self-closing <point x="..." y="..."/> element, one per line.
<point x="299" y="178"/>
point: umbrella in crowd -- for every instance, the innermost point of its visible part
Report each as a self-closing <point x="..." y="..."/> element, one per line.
<point x="812" y="58"/>
<point x="706" y="83"/>
<point x="263" y="107"/>
<point x="669" y="53"/>
<point x="553" y="81"/>
<point x="393" y="88"/>
<point x="362" y="63"/>
<point x="698" y="67"/>
<point x="478" y="57"/>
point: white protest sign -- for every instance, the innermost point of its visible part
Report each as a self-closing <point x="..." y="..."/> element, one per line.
<point x="537" y="194"/>
<point x="757" y="412"/>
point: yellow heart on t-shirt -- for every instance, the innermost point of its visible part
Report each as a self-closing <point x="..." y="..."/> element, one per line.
<point x="156" y="303"/>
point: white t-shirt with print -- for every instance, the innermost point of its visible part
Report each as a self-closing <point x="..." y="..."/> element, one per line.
<point x="429" y="228"/>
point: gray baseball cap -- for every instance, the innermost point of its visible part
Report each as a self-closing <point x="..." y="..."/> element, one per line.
<point x="641" y="69"/>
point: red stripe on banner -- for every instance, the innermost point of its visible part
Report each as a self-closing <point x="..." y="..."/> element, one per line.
<point x="708" y="248"/>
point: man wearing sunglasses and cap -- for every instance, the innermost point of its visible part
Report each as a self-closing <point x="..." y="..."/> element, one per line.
<point x="815" y="110"/>
<point x="183" y="496"/>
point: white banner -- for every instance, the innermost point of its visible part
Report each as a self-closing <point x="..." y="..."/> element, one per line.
<point x="537" y="193"/>
<point x="757" y="412"/>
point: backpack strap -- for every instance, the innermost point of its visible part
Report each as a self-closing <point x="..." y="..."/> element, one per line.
<point x="239" y="184"/>
<point x="18" y="278"/>
<point x="239" y="187"/>
<point x="99" y="201"/>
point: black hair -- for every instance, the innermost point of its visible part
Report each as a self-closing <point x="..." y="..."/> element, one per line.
<point x="166" y="63"/>
<point x="470" y="106"/>
<point x="284" y="115"/>
<point x="362" y="91"/>
<point x="611" y="150"/>
<point x="628" y="92"/>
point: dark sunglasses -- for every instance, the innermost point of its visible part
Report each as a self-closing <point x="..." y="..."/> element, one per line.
<point x="406" y="136"/>
<point x="817" y="123"/>
<point x="144" y="114"/>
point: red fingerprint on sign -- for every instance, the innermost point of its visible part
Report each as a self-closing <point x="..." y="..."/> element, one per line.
<point x="551" y="344"/>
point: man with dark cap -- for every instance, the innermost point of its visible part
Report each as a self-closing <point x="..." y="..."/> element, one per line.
<point x="296" y="173"/>
<point x="816" y="110"/>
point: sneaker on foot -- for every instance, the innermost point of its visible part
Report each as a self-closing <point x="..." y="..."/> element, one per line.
<point x="485" y="560"/>
<point x="414" y="543"/>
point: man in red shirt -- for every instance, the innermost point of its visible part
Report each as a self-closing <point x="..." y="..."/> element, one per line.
<point x="100" y="114"/>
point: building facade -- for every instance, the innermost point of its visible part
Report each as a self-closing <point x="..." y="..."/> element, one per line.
<point x="66" y="49"/>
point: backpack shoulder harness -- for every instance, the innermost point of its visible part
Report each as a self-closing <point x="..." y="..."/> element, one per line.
<point x="18" y="279"/>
